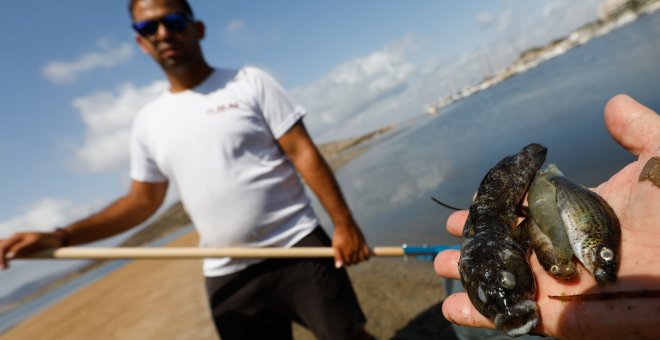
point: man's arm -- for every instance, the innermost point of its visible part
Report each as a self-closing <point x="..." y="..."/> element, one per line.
<point x="348" y="241"/>
<point x="142" y="200"/>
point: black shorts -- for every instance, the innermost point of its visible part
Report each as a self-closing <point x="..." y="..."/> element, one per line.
<point x="260" y="301"/>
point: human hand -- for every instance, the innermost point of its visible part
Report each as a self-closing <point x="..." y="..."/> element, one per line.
<point x="635" y="202"/>
<point x="349" y="244"/>
<point x="23" y="244"/>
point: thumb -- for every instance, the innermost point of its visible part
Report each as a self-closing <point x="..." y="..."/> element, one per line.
<point x="632" y="125"/>
<point x="339" y="261"/>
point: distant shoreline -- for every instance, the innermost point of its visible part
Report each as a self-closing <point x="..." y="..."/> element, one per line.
<point x="537" y="55"/>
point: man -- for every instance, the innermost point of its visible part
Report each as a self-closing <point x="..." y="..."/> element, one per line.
<point x="231" y="141"/>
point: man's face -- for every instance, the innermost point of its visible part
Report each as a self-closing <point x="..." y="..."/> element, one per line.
<point x="174" y="51"/>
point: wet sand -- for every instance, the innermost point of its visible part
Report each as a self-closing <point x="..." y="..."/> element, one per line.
<point x="154" y="299"/>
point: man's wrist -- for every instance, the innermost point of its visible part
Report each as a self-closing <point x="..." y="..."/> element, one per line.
<point x="341" y="216"/>
<point x="64" y="236"/>
<point x="344" y="224"/>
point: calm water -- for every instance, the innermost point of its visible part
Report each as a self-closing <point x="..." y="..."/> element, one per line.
<point x="559" y="104"/>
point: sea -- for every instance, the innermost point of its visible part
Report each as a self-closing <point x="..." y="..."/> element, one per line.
<point x="558" y="104"/>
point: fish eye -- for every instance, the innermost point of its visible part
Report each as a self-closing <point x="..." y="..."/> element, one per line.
<point x="507" y="280"/>
<point x="482" y="294"/>
<point x="554" y="269"/>
<point x="607" y="254"/>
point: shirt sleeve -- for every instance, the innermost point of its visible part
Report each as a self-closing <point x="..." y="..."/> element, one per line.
<point x="276" y="105"/>
<point x="143" y="167"/>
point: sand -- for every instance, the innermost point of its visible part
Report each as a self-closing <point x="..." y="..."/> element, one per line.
<point x="152" y="299"/>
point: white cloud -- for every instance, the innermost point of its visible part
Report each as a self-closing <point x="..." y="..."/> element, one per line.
<point x="557" y="18"/>
<point x="108" y="118"/>
<point x="564" y="15"/>
<point x="387" y="87"/>
<point x="485" y="20"/>
<point x="238" y="33"/>
<point x="505" y="19"/>
<point x="106" y="55"/>
<point x="341" y="98"/>
<point x="44" y="215"/>
<point x="236" y="26"/>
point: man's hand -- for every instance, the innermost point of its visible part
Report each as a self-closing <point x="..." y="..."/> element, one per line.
<point x="636" y="203"/>
<point x="142" y="200"/>
<point x="349" y="245"/>
<point x="26" y="243"/>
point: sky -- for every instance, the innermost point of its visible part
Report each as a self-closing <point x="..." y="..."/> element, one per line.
<point x="73" y="78"/>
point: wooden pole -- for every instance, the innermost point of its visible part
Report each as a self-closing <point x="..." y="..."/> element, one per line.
<point x="71" y="253"/>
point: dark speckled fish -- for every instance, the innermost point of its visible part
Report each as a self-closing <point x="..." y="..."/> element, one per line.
<point x="592" y="227"/>
<point x="547" y="232"/>
<point x="493" y="263"/>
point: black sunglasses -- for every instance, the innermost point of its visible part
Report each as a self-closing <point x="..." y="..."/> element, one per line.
<point x="175" y="22"/>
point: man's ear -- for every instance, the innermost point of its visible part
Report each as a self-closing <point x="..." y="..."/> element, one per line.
<point x="200" y="28"/>
<point x="140" y="41"/>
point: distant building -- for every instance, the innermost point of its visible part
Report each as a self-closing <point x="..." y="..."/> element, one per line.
<point x="610" y="8"/>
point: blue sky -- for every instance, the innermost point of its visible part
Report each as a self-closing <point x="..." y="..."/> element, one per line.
<point x="73" y="77"/>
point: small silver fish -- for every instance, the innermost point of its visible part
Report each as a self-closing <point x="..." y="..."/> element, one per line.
<point x="547" y="232"/>
<point x="592" y="227"/>
<point x="493" y="263"/>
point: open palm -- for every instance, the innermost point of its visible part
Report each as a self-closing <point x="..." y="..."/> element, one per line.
<point x="637" y="204"/>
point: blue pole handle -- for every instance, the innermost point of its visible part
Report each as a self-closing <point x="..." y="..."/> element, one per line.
<point x="427" y="250"/>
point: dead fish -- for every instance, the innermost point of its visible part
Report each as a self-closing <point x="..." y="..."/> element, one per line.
<point x="550" y="258"/>
<point x="493" y="263"/>
<point x="592" y="227"/>
<point x="548" y="234"/>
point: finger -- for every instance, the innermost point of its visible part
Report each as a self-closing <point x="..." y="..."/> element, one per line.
<point x="3" y="256"/>
<point x="25" y="246"/>
<point x="446" y="264"/>
<point x="632" y="125"/>
<point x="351" y="254"/>
<point x="339" y="259"/>
<point x="6" y="251"/>
<point x="458" y="309"/>
<point x="365" y="253"/>
<point x="360" y="253"/>
<point x="456" y="221"/>
<point x="354" y="257"/>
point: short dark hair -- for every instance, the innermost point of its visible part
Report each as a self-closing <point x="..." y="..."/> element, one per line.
<point x="184" y="4"/>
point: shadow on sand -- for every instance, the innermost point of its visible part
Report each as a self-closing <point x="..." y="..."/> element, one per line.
<point x="430" y="324"/>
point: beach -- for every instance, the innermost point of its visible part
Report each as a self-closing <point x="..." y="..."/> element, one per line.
<point x="390" y="187"/>
<point x="155" y="299"/>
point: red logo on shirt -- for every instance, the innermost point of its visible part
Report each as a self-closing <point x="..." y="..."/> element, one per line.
<point x="221" y="108"/>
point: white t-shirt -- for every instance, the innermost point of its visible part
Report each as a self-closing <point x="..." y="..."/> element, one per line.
<point x="217" y="144"/>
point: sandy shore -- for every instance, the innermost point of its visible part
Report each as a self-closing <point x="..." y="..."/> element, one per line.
<point x="166" y="300"/>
